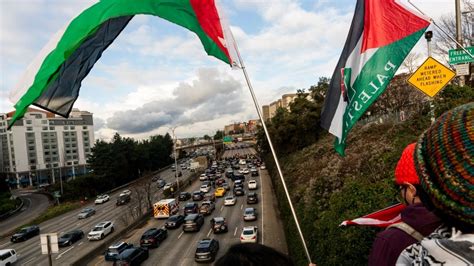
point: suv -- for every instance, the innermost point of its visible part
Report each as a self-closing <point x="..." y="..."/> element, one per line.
<point x="100" y="230"/>
<point x="7" y="256"/>
<point x="123" y="199"/>
<point x="193" y="222"/>
<point x="252" y="198"/>
<point x="206" y="250"/>
<point x="113" y="251"/>
<point x="132" y="256"/>
<point x="153" y="237"/>
<point x="191" y="207"/>
<point x="207" y="207"/>
<point x="219" y="225"/>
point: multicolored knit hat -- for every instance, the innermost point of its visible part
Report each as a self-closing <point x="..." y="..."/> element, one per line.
<point x="444" y="161"/>
<point x="405" y="170"/>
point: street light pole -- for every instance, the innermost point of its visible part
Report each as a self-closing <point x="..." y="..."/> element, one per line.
<point x="175" y="157"/>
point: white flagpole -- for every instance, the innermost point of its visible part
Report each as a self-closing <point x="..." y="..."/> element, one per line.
<point x="257" y="106"/>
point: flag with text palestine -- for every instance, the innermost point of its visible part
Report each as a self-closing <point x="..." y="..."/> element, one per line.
<point x="382" y="34"/>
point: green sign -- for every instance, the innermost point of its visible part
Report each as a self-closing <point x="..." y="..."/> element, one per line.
<point x="459" y="56"/>
<point x="56" y="194"/>
<point x="227" y="139"/>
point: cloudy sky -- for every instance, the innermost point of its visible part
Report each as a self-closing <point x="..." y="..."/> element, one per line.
<point x="156" y="75"/>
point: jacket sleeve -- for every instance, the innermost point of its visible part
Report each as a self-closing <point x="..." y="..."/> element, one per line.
<point x="383" y="252"/>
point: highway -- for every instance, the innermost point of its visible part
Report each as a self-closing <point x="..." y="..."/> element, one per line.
<point x="179" y="247"/>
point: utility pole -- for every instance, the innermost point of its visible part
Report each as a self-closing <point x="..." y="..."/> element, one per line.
<point x="459" y="34"/>
<point x="175" y="158"/>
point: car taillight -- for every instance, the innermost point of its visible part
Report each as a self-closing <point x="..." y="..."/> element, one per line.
<point x="254" y="237"/>
<point x="241" y="238"/>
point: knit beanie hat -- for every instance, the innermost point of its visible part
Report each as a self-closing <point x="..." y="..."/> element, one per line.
<point x="444" y="161"/>
<point x="405" y="170"/>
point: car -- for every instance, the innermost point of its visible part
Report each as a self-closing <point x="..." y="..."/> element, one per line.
<point x="239" y="191"/>
<point x="167" y="186"/>
<point x="252" y="198"/>
<point x="205" y="187"/>
<point x="226" y="186"/>
<point x="25" y="233"/>
<point x="262" y="167"/>
<point x="198" y="195"/>
<point x="238" y="177"/>
<point x="249" y="234"/>
<point x="113" y="251"/>
<point x="193" y="222"/>
<point x="122" y="199"/>
<point x="241" y="171"/>
<point x="86" y="212"/>
<point x="191" y="207"/>
<point x="161" y="183"/>
<point x="153" y="237"/>
<point x="126" y="192"/>
<point x="219" y="225"/>
<point x="207" y="207"/>
<point x="132" y="256"/>
<point x="252" y="184"/>
<point x="229" y="173"/>
<point x="238" y="183"/>
<point x="230" y="200"/>
<point x="253" y="172"/>
<point x="203" y="177"/>
<point x="250" y="214"/>
<point x="183" y="196"/>
<point x="219" y="182"/>
<point x="220" y="192"/>
<point x="245" y="171"/>
<point x="101" y="230"/>
<point x="102" y="199"/>
<point x="70" y="237"/>
<point x="8" y="256"/>
<point x="242" y="162"/>
<point x="209" y="196"/>
<point x="206" y="250"/>
<point x="174" y="221"/>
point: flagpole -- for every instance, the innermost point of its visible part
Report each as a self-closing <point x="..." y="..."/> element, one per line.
<point x="257" y="106"/>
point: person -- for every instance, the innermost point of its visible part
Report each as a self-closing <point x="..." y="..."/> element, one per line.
<point x="444" y="161"/>
<point x="416" y="220"/>
<point x="253" y="254"/>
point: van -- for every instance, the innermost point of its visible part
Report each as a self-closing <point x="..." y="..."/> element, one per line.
<point x="165" y="208"/>
<point x="7" y="256"/>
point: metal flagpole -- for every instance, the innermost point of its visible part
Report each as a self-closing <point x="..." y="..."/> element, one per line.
<point x="273" y="151"/>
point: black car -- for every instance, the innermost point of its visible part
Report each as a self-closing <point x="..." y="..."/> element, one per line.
<point x="183" y="196"/>
<point x="70" y="237"/>
<point x="239" y="191"/>
<point x="219" y="225"/>
<point x="123" y="199"/>
<point x="115" y="250"/>
<point x="206" y="250"/>
<point x="25" y="233"/>
<point x="161" y="183"/>
<point x="252" y="198"/>
<point x="153" y="237"/>
<point x="174" y="221"/>
<point x="193" y="222"/>
<point x="229" y="173"/>
<point x="132" y="256"/>
<point x="238" y="177"/>
<point x="191" y="207"/>
<point x="197" y="195"/>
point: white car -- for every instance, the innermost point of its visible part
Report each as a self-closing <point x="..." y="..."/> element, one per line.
<point x="230" y="200"/>
<point x="249" y="234"/>
<point x="8" y="256"/>
<point x="205" y="188"/>
<point x="167" y="186"/>
<point x="252" y="184"/>
<point x="126" y="192"/>
<point x="100" y="230"/>
<point x="245" y="171"/>
<point x="203" y="177"/>
<point x="262" y="167"/>
<point x="242" y="162"/>
<point x="101" y="199"/>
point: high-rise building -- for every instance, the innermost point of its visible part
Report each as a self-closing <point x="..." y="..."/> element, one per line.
<point x="41" y="147"/>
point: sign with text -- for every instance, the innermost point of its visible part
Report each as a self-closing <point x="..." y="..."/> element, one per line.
<point x="431" y="77"/>
<point x="51" y="240"/>
<point x="459" y="56"/>
<point x="462" y="69"/>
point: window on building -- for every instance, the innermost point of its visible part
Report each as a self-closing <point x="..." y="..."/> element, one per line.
<point x="45" y="128"/>
<point x="66" y="139"/>
<point x="30" y="135"/>
<point x="44" y="121"/>
<point x="45" y="140"/>
<point x="32" y="161"/>
<point x="66" y="133"/>
<point x="84" y="127"/>
<point x="51" y="128"/>
<point x="65" y="127"/>
<point x="74" y="157"/>
<point x="28" y="122"/>
<point x="29" y="128"/>
<point x="73" y="127"/>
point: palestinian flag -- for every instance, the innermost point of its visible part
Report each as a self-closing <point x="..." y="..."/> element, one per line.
<point x="53" y="79"/>
<point x="382" y="34"/>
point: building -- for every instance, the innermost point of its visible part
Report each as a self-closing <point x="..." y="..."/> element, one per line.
<point x="41" y="147"/>
<point x="269" y="111"/>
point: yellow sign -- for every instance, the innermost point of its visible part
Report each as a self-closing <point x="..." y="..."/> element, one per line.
<point x="431" y="77"/>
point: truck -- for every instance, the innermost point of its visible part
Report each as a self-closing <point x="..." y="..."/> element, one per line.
<point x="165" y="208"/>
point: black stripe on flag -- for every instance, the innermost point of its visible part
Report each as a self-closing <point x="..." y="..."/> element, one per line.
<point x="333" y="93"/>
<point x="61" y="93"/>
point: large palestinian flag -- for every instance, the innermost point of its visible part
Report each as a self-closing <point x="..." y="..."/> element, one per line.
<point x="53" y="79"/>
<point x="382" y="34"/>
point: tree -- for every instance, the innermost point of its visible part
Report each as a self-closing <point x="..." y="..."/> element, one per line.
<point x="412" y="62"/>
<point x="207" y="137"/>
<point x="219" y="135"/>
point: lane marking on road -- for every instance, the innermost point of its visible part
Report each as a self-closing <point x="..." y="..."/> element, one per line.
<point x="222" y="207"/>
<point x="80" y="243"/>
<point x="209" y="233"/>
<point x="241" y="206"/>
<point x="60" y="255"/>
<point x="180" y="235"/>
<point x="235" y="231"/>
<point x="24" y="263"/>
<point x="4" y="244"/>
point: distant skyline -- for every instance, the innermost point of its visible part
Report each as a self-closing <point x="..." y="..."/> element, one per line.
<point x="156" y="75"/>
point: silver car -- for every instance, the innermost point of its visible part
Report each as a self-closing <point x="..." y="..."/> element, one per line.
<point x="250" y="214"/>
<point x="87" y="212"/>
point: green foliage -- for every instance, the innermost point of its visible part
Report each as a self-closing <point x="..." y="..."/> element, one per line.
<point x="55" y="211"/>
<point x="219" y="135"/>
<point x="452" y="96"/>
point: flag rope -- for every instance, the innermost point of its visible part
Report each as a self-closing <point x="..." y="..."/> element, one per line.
<point x="257" y="106"/>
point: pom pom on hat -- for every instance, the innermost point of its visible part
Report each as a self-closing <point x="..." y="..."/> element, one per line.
<point x="405" y="170"/>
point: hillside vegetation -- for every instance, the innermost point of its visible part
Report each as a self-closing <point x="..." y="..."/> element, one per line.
<point x="327" y="189"/>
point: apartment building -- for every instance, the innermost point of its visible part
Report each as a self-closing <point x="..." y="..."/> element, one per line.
<point x="41" y="147"/>
<point x="269" y="111"/>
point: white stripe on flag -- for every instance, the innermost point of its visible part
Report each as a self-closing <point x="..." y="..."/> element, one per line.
<point x="336" y="122"/>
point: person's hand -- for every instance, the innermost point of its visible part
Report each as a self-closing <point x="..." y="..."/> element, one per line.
<point x="312" y="264"/>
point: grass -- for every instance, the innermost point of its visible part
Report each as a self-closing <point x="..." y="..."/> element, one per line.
<point x="54" y="211"/>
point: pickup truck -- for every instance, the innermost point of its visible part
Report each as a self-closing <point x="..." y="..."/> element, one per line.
<point x="207" y="207"/>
